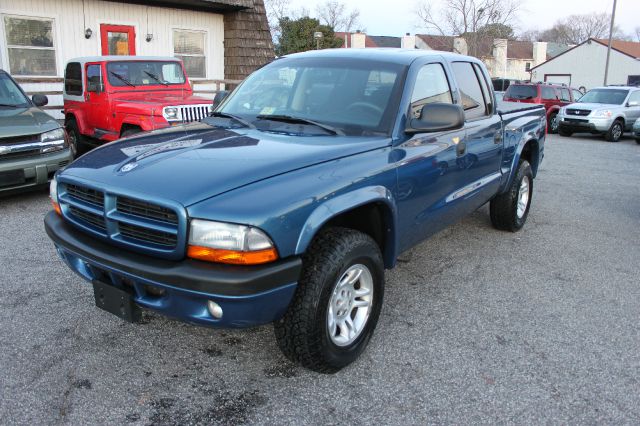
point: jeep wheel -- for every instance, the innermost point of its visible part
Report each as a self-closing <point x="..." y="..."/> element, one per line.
<point x="552" y="123"/>
<point x="337" y="303"/>
<point x="130" y="132"/>
<point x="509" y="211"/>
<point x="615" y="131"/>
<point x="76" y="140"/>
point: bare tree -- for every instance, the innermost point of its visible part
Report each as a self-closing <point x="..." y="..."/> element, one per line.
<point x="637" y="31"/>
<point x="467" y="18"/>
<point x="278" y="10"/>
<point x="575" y="29"/>
<point x="335" y="14"/>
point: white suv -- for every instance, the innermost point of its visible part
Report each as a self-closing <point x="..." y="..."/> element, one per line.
<point x="609" y="111"/>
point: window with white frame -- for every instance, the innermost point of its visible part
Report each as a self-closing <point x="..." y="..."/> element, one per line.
<point x="189" y="46"/>
<point x="30" y="45"/>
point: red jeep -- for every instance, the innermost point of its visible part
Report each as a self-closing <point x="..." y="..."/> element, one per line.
<point x="108" y="97"/>
<point x="552" y="96"/>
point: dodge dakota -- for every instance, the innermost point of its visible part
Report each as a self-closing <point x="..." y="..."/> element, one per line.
<point x="290" y="201"/>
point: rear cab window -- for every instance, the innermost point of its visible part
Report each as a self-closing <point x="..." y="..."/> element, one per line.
<point x="522" y="91"/>
<point x="472" y="98"/>
<point x="73" y="79"/>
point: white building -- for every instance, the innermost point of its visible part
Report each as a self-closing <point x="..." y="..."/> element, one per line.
<point x="215" y="39"/>
<point x="584" y="65"/>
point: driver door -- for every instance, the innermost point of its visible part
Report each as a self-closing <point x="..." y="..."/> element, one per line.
<point x="97" y="99"/>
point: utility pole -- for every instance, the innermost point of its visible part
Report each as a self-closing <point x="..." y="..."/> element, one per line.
<point x="613" y="18"/>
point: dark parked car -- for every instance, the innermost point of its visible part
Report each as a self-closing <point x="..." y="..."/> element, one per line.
<point x="33" y="145"/>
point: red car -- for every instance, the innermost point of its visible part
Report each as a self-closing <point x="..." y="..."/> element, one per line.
<point x="108" y="97"/>
<point x="552" y="96"/>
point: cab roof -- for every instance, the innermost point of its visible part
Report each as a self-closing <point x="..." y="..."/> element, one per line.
<point x="393" y="55"/>
<point x="113" y="58"/>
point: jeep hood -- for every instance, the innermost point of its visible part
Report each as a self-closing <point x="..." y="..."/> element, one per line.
<point x="192" y="163"/>
<point x="159" y="98"/>
<point x="16" y="122"/>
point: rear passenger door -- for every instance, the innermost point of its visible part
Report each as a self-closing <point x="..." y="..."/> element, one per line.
<point x="632" y="112"/>
<point x="482" y="154"/>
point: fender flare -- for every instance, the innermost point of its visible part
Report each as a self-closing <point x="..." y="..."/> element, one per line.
<point x="553" y="109"/>
<point x="342" y="203"/>
<point x="80" y="121"/>
<point x="134" y="120"/>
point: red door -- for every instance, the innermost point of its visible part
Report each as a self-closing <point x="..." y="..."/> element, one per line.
<point x="118" y="39"/>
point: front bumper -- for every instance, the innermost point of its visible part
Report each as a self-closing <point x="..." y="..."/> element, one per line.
<point x="248" y="296"/>
<point x="585" y="124"/>
<point x="38" y="170"/>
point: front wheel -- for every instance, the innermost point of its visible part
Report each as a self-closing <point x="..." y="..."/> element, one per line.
<point x="552" y="123"/>
<point x="76" y="140"/>
<point x="337" y="303"/>
<point x="509" y="211"/>
<point x="615" y="131"/>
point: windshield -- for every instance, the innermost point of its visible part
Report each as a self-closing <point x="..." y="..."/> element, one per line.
<point x="604" y="96"/>
<point x="140" y="73"/>
<point x="354" y="97"/>
<point x="10" y="93"/>
<point x="521" y="92"/>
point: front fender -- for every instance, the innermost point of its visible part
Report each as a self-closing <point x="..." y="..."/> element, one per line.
<point x="335" y="206"/>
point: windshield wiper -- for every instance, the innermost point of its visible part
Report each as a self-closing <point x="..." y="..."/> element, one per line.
<point x="291" y="119"/>
<point x="156" y="78"/>
<point x="121" y="78"/>
<point x="242" y="121"/>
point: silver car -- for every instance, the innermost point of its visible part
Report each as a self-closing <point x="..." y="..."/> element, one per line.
<point x="609" y="111"/>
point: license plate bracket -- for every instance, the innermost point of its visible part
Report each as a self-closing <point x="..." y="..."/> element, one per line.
<point x="116" y="301"/>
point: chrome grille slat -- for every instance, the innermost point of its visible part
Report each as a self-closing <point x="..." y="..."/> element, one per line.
<point x="190" y="113"/>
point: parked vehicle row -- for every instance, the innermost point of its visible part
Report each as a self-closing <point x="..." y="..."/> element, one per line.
<point x="33" y="146"/>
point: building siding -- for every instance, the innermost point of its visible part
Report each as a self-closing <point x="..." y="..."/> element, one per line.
<point x="70" y="41"/>
<point x="586" y="63"/>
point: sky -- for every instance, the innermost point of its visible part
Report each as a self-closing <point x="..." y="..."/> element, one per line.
<point x="397" y="17"/>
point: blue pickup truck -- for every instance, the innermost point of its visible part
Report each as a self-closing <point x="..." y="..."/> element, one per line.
<point x="288" y="204"/>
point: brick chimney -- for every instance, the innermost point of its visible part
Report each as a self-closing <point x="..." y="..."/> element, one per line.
<point x="500" y="57"/>
<point x="358" y="40"/>
<point x="408" y="41"/>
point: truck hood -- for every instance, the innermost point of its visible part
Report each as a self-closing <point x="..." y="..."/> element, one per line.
<point x="192" y="163"/>
<point x="25" y="121"/>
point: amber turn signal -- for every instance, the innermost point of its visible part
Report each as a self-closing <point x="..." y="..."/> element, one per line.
<point x="231" y="256"/>
<point x="56" y="207"/>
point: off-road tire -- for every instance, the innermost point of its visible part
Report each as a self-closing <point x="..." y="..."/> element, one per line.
<point x="76" y="140"/>
<point x="504" y="207"/>
<point x="550" y="128"/>
<point x="612" y="134"/>
<point x="130" y="132"/>
<point x="302" y="333"/>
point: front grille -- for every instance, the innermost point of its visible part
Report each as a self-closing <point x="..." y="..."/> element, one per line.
<point x="19" y="140"/>
<point x="20" y="154"/>
<point x="88" y="195"/>
<point x="146" y="235"/>
<point x="581" y="112"/>
<point x="190" y="113"/>
<point x="89" y="218"/>
<point x="146" y="210"/>
<point x="575" y="120"/>
<point x="139" y="225"/>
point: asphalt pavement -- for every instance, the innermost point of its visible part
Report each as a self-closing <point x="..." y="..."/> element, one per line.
<point x="479" y="326"/>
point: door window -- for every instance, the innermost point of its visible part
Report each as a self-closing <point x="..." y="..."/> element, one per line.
<point x="635" y="97"/>
<point x="485" y="88"/>
<point x="431" y="86"/>
<point x="470" y="91"/>
<point x="564" y="95"/>
<point x="118" y="39"/>
<point x="548" y="93"/>
<point x="94" y="77"/>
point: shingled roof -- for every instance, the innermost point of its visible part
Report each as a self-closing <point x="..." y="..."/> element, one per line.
<point x="630" y="48"/>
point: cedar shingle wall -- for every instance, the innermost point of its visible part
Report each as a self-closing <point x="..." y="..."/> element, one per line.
<point x="247" y="41"/>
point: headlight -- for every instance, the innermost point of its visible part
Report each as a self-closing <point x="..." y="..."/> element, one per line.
<point x="53" y="135"/>
<point x="603" y="113"/>
<point x="170" y="113"/>
<point x="53" y="194"/>
<point x="229" y="243"/>
<point x="54" y="140"/>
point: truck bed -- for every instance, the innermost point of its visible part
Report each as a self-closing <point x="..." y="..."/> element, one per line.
<point x="511" y="107"/>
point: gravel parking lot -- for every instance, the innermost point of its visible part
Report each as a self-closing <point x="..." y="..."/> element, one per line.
<point x="479" y="326"/>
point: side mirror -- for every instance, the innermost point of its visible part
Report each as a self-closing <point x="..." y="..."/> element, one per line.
<point x="437" y="117"/>
<point x="39" y="100"/>
<point x="219" y="97"/>
<point x="633" y="103"/>
<point x="95" y="86"/>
